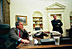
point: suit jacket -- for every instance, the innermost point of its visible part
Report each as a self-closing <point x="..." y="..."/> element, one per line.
<point x="14" y="34"/>
<point x="70" y="32"/>
<point x="14" y="37"/>
<point x="57" y="25"/>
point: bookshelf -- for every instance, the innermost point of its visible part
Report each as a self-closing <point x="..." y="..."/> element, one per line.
<point x="37" y="22"/>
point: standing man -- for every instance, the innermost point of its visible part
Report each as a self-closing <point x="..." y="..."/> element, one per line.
<point x="70" y="32"/>
<point x="57" y="24"/>
<point x="17" y="34"/>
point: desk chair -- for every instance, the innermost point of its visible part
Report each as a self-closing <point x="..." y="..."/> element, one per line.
<point x="4" y="30"/>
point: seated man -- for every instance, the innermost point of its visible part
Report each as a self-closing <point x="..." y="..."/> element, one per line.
<point x="17" y="34"/>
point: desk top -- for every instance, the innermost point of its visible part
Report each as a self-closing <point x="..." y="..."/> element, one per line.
<point x="21" y="46"/>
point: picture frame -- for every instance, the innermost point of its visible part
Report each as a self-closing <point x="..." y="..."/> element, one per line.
<point x="22" y="19"/>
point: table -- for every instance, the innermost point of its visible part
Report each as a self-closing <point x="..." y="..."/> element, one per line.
<point x="21" y="46"/>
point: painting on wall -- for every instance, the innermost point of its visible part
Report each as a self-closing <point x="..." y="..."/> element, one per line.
<point x="22" y="19"/>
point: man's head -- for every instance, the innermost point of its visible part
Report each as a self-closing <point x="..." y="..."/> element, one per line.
<point x="19" y="25"/>
<point x="55" y="17"/>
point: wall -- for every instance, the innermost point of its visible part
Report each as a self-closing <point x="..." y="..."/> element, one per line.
<point x="27" y="7"/>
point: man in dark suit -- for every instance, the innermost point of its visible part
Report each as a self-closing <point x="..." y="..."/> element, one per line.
<point x="18" y="34"/>
<point x="70" y="32"/>
<point x="57" y="24"/>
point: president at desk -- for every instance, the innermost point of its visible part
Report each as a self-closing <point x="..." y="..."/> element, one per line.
<point x="18" y="35"/>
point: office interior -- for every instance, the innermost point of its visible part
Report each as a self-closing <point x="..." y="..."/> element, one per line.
<point x="31" y="10"/>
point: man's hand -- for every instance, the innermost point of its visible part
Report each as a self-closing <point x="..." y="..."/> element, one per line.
<point x="25" y="41"/>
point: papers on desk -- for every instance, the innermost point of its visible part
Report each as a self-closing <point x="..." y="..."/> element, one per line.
<point x="55" y="33"/>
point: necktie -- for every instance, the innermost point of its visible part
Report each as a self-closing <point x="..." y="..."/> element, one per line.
<point x="19" y="34"/>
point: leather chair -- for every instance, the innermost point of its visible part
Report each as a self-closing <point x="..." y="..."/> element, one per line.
<point x="4" y="33"/>
<point x="4" y="28"/>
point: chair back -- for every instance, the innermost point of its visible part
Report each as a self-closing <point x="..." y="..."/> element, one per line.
<point x="4" y="28"/>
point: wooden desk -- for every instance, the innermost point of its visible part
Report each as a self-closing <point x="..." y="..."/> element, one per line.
<point x="21" y="46"/>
